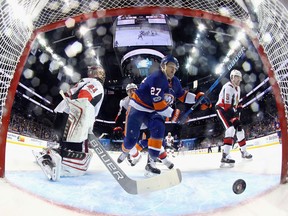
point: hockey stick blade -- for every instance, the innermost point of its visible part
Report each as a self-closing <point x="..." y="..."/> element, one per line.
<point x="159" y="182"/>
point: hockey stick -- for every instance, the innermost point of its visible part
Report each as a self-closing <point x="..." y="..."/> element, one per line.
<point x="183" y="118"/>
<point x="165" y="180"/>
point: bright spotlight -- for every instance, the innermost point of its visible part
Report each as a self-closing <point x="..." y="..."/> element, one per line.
<point x="83" y="30"/>
<point x="68" y="71"/>
<point x="201" y="27"/>
<point x="219" y="69"/>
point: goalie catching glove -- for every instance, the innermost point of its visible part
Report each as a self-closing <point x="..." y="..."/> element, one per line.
<point x="205" y="102"/>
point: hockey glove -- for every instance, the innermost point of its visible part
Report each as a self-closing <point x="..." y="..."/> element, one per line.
<point x="239" y="109"/>
<point x="117" y="129"/>
<point x="236" y="123"/>
<point x="205" y="101"/>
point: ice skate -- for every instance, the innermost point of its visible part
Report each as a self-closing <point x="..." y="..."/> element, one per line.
<point x="226" y="160"/>
<point x="50" y="164"/>
<point x="158" y="160"/>
<point x="167" y="163"/>
<point x="246" y="155"/>
<point x="150" y="168"/>
<point x="38" y="154"/>
<point x="122" y="157"/>
<point x="134" y="160"/>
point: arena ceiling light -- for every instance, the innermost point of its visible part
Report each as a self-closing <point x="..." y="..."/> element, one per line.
<point x="68" y="70"/>
<point x="219" y="68"/>
<point x="83" y="30"/>
<point x="201" y="27"/>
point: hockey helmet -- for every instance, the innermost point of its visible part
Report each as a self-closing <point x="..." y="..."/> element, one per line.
<point x="169" y="58"/>
<point x="235" y="72"/>
<point x="131" y="86"/>
<point x="97" y="71"/>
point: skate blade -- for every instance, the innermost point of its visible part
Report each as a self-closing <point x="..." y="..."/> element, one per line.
<point x="225" y="165"/>
<point x="149" y="174"/>
<point x="248" y="159"/>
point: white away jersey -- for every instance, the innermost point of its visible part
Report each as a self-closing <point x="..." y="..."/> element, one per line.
<point x="123" y="103"/>
<point x="229" y="96"/>
<point x="169" y="140"/>
<point x="90" y="88"/>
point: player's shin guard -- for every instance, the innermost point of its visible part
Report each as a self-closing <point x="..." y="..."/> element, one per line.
<point x="242" y="143"/>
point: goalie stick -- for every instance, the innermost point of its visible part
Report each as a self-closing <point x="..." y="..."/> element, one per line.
<point x="165" y="180"/>
<point x="183" y="118"/>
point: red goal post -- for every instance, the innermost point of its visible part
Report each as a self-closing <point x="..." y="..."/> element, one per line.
<point x="22" y="20"/>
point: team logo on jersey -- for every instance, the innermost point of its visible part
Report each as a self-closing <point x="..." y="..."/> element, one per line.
<point x="157" y="99"/>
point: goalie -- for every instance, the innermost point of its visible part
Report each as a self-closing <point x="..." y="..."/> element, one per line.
<point x="75" y="117"/>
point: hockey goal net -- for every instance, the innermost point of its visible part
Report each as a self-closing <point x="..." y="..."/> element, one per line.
<point x="22" y="20"/>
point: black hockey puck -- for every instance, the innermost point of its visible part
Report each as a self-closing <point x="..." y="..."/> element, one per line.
<point x="239" y="186"/>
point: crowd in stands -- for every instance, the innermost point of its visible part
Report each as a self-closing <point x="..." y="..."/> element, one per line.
<point x="20" y="124"/>
<point x="29" y="127"/>
<point x="260" y="128"/>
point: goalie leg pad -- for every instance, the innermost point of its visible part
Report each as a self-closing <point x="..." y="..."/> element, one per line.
<point x="75" y="163"/>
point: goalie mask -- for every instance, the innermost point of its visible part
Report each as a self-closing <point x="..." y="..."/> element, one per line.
<point x="97" y="72"/>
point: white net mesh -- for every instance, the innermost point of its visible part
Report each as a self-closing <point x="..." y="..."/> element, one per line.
<point x="18" y="19"/>
<point x="13" y="38"/>
<point x="273" y="36"/>
<point x="59" y="10"/>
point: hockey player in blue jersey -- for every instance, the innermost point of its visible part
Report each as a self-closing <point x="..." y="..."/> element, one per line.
<point x="150" y="104"/>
